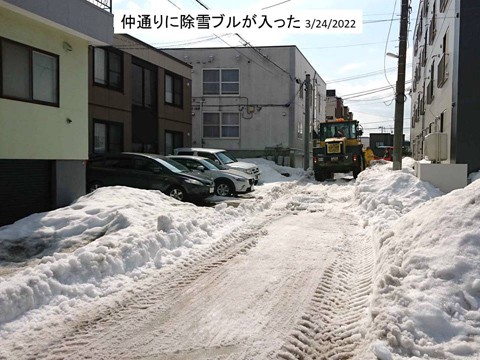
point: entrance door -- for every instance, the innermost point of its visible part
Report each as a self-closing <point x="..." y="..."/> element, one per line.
<point x="173" y="140"/>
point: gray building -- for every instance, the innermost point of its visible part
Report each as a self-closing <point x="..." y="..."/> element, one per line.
<point x="445" y="83"/>
<point x="252" y="100"/>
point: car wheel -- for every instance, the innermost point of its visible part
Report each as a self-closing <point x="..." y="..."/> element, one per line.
<point x="94" y="185"/>
<point x="177" y="193"/>
<point x="223" y="188"/>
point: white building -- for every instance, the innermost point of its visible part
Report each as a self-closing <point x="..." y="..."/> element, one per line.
<point x="446" y="79"/>
<point x="249" y="100"/>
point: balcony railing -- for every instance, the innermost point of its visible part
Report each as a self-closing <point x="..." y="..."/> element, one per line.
<point x="102" y="4"/>
<point x="430" y="92"/>
<point x="442" y="70"/>
<point x="443" y="5"/>
<point x="421" y="105"/>
<point x="432" y="31"/>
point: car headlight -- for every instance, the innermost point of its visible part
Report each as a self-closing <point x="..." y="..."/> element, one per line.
<point x="249" y="171"/>
<point x="193" y="182"/>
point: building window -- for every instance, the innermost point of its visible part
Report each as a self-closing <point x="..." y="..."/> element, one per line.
<point x="143" y="82"/>
<point x="107" y="137"/>
<point x="28" y="74"/>
<point x="173" y="89"/>
<point x="108" y="68"/>
<point x="221" y="82"/>
<point x="221" y="125"/>
<point x="299" y="130"/>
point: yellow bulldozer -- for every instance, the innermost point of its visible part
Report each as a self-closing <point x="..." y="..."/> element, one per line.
<point x="339" y="149"/>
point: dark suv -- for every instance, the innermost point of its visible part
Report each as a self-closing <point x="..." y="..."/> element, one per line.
<point x="148" y="171"/>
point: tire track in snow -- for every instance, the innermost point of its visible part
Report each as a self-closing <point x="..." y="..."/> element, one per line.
<point x="162" y="288"/>
<point x="332" y="327"/>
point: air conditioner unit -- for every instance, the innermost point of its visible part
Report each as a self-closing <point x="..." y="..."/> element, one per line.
<point x="435" y="147"/>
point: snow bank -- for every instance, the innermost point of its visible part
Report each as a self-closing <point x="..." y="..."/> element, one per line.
<point x="272" y="172"/>
<point x="426" y="296"/>
<point x="82" y="248"/>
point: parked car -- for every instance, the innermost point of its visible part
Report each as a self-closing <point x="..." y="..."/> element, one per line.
<point x="148" y="171"/>
<point x="227" y="182"/>
<point x="222" y="157"/>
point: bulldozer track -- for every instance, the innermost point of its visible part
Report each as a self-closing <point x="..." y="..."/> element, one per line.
<point x="161" y="287"/>
<point x="331" y="328"/>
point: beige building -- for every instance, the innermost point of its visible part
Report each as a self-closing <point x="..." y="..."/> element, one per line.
<point x="44" y="100"/>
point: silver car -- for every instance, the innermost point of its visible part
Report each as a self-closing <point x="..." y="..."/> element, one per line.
<point x="223" y="158"/>
<point x="227" y="182"/>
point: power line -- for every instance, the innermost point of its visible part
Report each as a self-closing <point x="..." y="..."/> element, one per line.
<point x="344" y="46"/>
<point x="171" y="2"/>
<point x="370" y="91"/>
<point x="361" y="76"/>
<point x="386" y="44"/>
<point x="280" y="3"/>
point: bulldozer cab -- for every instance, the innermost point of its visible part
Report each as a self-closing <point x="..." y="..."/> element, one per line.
<point x="348" y="130"/>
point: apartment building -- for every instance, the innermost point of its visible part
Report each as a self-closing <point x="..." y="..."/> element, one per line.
<point x="140" y="99"/>
<point x="335" y="109"/>
<point x="445" y="80"/>
<point x="251" y="100"/>
<point x="44" y="100"/>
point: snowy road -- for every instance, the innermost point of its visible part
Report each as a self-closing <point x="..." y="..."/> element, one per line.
<point x="297" y="270"/>
<point x="292" y="282"/>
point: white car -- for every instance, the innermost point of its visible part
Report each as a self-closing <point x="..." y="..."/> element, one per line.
<point x="222" y="157"/>
<point x="227" y="182"/>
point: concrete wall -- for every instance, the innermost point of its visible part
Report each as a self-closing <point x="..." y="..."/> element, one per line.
<point x="32" y="131"/>
<point x="69" y="181"/>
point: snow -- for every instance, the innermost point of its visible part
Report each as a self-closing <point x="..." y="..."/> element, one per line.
<point x="423" y="301"/>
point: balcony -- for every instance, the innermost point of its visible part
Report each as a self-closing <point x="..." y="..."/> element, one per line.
<point x="442" y="70"/>
<point x="102" y="4"/>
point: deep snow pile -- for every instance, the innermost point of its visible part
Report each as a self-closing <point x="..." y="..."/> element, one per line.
<point x="105" y="240"/>
<point x="425" y="302"/>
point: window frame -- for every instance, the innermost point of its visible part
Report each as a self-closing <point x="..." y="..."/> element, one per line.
<point x="108" y="50"/>
<point x="153" y="84"/>
<point x="220" y="82"/>
<point x="220" y="125"/>
<point x="30" y="98"/>
<point x="107" y="124"/>
<point x="173" y="77"/>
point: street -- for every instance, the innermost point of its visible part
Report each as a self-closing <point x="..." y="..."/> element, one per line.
<point x="262" y="292"/>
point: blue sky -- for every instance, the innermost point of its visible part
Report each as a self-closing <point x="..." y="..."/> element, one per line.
<point x="334" y="56"/>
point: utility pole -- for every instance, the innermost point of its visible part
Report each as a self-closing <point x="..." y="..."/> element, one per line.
<point x="306" y="132"/>
<point x="400" y="89"/>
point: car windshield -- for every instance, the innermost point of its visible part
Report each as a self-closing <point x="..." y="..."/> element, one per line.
<point x="211" y="165"/>
<point x="173" y="165"/>
<point x="226" y="157"/>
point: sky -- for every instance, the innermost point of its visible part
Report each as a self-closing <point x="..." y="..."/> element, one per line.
<point x="336" y="57"/>
<point x="127" y="273"/>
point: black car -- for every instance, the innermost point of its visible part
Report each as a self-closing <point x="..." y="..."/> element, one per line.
<point x="148" y="171"/>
